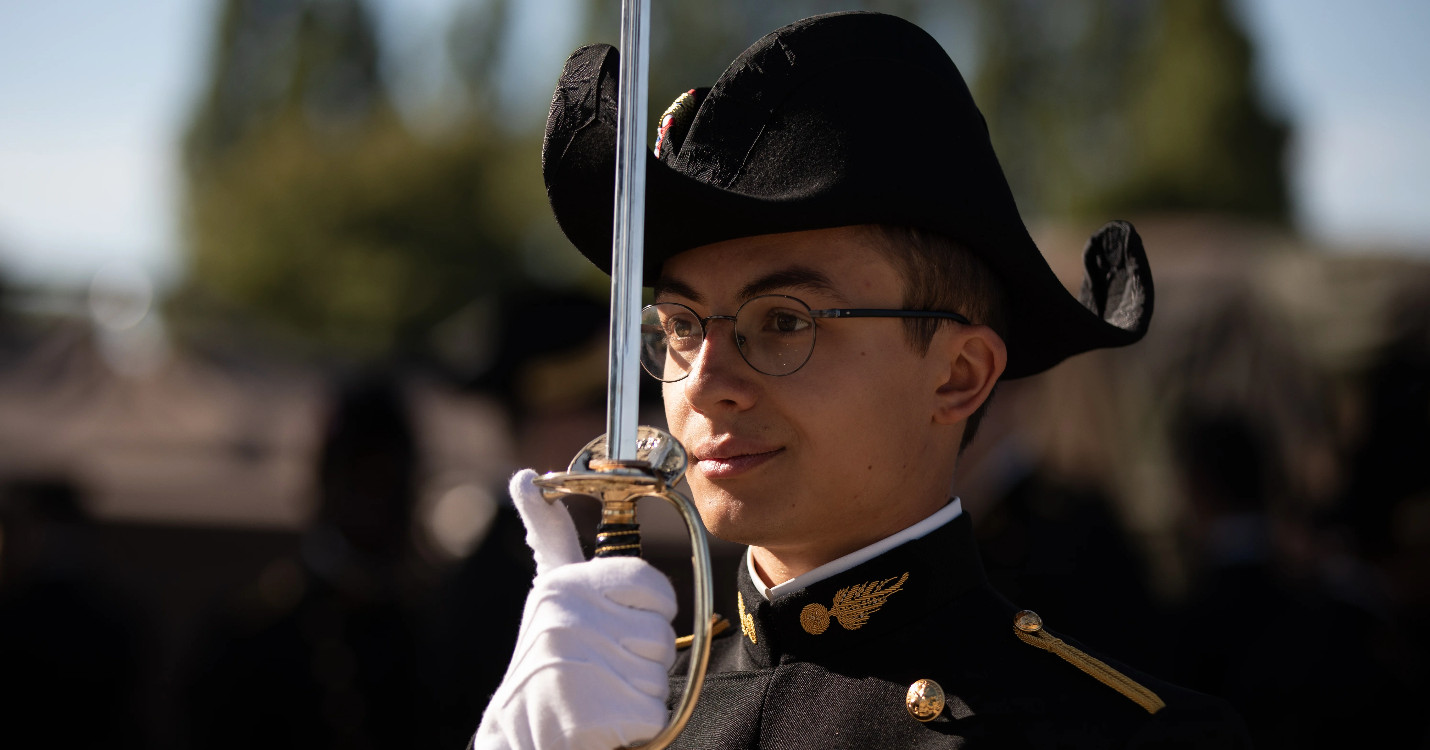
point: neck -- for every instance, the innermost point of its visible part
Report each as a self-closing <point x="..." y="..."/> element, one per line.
<point x="774" y="569"/>
<point x="858" y="557"/>
<point x="777" y="564"/>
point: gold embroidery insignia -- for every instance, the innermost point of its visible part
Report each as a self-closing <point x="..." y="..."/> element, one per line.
<point x="747" y="621"/>
<point x="852" y="606"/>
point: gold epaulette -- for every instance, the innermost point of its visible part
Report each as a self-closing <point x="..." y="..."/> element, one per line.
<point x="720" y="625"/>
<point x="1028" y="626"/>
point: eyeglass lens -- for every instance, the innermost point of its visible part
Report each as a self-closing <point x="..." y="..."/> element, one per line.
<point x="774" y="333"/>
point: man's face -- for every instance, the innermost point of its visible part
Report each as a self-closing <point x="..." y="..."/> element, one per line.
<point x="834" y="455"/>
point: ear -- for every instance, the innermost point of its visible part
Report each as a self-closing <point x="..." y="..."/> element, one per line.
<point x="975" y="357"/>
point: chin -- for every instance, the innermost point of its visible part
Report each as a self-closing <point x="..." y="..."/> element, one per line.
<point x="732" y="518"/>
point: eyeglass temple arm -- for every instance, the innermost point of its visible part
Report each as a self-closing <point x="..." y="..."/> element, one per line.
<point x="870" y="312"/>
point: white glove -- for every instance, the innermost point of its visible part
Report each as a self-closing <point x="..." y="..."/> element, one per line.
<point x="589" y="669"/>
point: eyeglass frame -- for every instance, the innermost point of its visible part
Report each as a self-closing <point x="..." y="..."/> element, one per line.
<point x="828" y="313"/>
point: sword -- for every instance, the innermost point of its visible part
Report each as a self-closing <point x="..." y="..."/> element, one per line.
<point x="630" y="462"/>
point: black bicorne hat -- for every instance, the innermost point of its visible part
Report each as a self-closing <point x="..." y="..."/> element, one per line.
<point x="847" y="118"/>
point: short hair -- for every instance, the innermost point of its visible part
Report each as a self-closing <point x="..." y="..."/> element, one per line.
<point x="941" y="274"/>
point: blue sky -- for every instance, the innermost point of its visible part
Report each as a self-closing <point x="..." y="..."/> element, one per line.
<point x="94" y="94"/>
<point x="1353" y="77"/>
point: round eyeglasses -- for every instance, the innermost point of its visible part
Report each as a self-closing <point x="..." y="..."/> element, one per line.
<point x="774" y="333"/>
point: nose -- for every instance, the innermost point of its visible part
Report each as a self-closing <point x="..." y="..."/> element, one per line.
<point x="719" y="377"/>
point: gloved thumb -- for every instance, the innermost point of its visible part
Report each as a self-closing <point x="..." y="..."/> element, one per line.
<point x="549" y="530"/>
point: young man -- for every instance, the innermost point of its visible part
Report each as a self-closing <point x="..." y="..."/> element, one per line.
<point x="841" y="279"/>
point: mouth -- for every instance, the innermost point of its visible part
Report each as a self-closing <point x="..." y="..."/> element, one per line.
<point x="722" y="464"/>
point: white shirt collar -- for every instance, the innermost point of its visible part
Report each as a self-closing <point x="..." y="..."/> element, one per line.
<point x="942" y="516"/>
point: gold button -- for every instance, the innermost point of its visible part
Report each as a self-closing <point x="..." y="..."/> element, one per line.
<point x="924" y="700"/>
<point x="1028" y="621"/>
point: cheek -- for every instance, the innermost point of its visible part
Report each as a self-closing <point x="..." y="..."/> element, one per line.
<point x="674" y="399"/>
<point x="867" y="411"/>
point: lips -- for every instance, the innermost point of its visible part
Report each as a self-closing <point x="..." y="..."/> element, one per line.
<point x="725" y="461"/>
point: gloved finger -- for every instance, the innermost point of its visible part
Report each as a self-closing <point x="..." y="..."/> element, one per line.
<point x="574" y="599"/>
<point x="634" y="604"/>
<point x="635" y="649"/>
<point x="588" y="671"/>
<point x="653" y="649"/>
<point x="549" y="530"/>
<point x="632" y="582"/>
<point x="612" y="584"/>
<point x="584" y="708"/>
<point x="629" y="715"/>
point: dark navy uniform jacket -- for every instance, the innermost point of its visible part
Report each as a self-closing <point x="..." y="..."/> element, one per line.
<point x="830" y="666"/>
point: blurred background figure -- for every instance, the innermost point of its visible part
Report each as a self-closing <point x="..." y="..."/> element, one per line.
<point x="324" y="650"/>
<point x="549" y="373"/>
<point x="208" y="211"/>
<point x="1384" y="511"/>
<point x="1062" y="550"/>
<point x="1234" y="640"/>
<point x="71" y="641"/>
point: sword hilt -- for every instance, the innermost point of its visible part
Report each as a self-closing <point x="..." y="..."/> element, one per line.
<point x="618" y="484"/>
<point x="618" y="534"/>
<point x="618" y="540"/>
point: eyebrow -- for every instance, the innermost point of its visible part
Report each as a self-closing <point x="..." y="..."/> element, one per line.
<point x="792" y="277"/>
<point x="665" y="286"/>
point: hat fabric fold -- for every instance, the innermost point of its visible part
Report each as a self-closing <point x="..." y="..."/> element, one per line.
<point x="846" y="118"/>
<point x="1117" y="284"/>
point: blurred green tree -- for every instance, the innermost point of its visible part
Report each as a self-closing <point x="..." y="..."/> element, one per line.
<point x="1118" y="106"/>
<point x="311" y="205"/>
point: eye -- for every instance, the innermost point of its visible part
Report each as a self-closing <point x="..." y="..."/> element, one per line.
<point x="681" y="327"/>
<point x="785" y="320"/>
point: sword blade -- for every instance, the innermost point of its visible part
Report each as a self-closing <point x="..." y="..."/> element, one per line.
<point x="628" y="235"/>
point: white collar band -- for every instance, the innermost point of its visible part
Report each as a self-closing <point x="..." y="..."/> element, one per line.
<point x="940" y="517"/>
